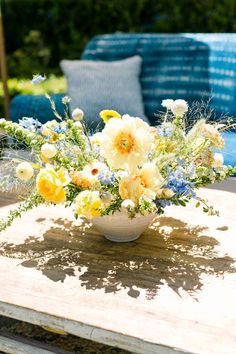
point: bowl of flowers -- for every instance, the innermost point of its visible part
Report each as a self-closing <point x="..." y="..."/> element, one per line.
<point x="120" y="178"/>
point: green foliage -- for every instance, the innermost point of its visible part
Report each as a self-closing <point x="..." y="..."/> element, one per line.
<point x="52" y="85"/>
<point x="32" y="201"/>
<point x="41" y="33"/>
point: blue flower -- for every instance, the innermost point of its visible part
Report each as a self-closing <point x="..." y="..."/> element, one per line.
<point x="164" y="130"/>
<point x="162" y="202"/>
<point x="59" y="130"/>
<point x="30" y="123"/>
<point x="106" y="177"/>
<point x="37" y="79"/>
<point x="179" y="184"/>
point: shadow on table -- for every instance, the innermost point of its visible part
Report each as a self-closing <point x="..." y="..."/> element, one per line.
<point x="177" y="254"/>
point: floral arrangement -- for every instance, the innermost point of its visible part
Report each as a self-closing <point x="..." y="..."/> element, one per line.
<point x="128" y="167"/>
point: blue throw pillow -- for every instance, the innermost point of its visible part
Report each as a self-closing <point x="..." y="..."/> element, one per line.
<point x="97" y="85"/>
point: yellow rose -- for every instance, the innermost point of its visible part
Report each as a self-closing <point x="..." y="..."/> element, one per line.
<point x="89" y="204"/>
<point x="50" y="184"/>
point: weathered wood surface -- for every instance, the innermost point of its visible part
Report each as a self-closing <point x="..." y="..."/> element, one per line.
<point x="171" y="291"/>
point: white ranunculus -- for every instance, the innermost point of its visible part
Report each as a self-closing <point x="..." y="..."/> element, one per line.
<point x="127" y="204"/>
<point x="167" y="103"/>
<point x="48" y="150"/>
<point x="24" y="171"/>
<point x="179" y="107"/>
<point x="218" y="160"/>
<point x="77" y="114"/>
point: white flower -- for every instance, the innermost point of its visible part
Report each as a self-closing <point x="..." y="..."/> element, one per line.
<point x="218" y="160"/>
<point x="127" y="204"/>
<point x="24" y="171"/>
<point x="96" y="139"/>
<point x="126" y="142"/>
<point x="179" y="107"/>
<point x="77" y="114"/>
<point x="66" y="99"/>
<point x="48" y="150"/>
<point x="167" y="103"/>
<point x="210" y="132"/>
<point x="78" y="125"/>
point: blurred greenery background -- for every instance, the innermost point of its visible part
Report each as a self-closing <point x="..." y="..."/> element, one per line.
<point x="39" y="33"/>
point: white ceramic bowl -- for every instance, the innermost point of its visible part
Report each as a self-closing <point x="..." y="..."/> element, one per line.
<point x="120" y="228"/>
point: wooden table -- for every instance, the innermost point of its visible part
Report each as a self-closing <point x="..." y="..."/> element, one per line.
<point x="171" y="291"/>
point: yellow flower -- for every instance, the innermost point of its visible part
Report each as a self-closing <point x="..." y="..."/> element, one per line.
<point x="151" y="177"/>
<point x="50" y="184"/>
<point x="146" y="183"/>
<point x="126" y="142"/>
<point x="107" y="114"/>
<point x="89" y="204"/>
<point x="131" y="188"/>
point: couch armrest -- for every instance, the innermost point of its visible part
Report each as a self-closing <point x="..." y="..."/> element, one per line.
<point x="35" y="106"/>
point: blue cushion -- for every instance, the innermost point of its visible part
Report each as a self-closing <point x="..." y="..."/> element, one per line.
<point x="229" y="151"/>
<point x="35" y="106"/>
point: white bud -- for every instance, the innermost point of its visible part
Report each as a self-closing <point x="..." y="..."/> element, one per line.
<point x="127" y="204"/>
<point x="179" y="107"/>
<point x="78" y="125"/>
<point x="167" y="103"/>
<point x="77" y="114"/>
<point x="48" y="150"/>
<point x="24" y="171"/>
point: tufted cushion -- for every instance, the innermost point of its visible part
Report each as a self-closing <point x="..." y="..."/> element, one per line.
<point x="97" y="85"/>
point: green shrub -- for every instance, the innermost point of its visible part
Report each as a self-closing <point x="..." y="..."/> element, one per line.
<point x="41" y="33"/>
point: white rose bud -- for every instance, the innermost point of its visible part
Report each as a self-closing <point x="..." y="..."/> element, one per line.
<point x="48" y="150"/>
<point x="24" y="171"/>
<point x="167" y="103"/>
<point x="179" y="107"/>
<point x="127" y="204"/>
<point x="218" y="160"/>
<point x="77" y="114"/>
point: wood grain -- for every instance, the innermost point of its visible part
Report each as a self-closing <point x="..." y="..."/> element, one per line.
<point x="171" y="291"/>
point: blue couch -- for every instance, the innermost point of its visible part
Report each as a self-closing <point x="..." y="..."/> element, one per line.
<point x="189" y="66"/>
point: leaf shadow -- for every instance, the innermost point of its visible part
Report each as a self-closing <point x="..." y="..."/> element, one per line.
<point x="171" y="252"/>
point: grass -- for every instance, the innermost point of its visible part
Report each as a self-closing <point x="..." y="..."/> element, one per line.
<point x="53" y="84"/>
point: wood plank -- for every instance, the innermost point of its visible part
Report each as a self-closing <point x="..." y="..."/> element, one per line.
<point x="171" y="291"/>
<point x="18" y="345"/>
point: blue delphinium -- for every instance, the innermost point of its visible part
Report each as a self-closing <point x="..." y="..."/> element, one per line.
<point x="178" y="183"/>
<point x="59" y="129"/>
<point x="164" y="130"/>
<point x="106" y="177"/>
<point x="37" y="79"/>
<point x="30" y="123"/>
